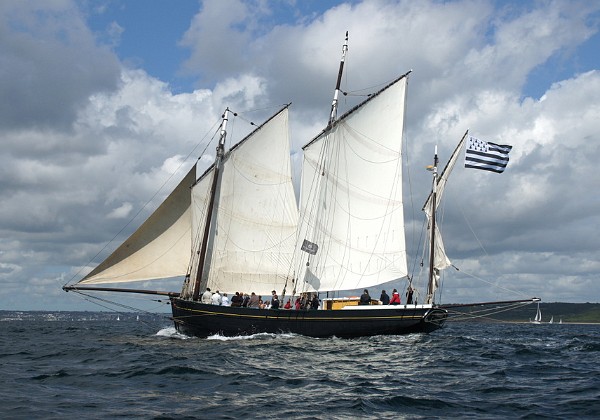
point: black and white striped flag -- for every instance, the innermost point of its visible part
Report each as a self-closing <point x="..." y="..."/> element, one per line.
<point x="486" y="156"/>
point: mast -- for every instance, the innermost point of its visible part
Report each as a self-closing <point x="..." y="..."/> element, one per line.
<point x="432" y="238"/>
<point x="334" y="104"/>
<point x="309" y="247"/>
<point x="202" y="272"/>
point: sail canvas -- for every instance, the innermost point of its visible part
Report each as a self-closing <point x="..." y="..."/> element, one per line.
<point x="351" y="198"/>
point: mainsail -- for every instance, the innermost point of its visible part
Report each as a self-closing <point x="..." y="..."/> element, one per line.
<point x="351" y="198"/>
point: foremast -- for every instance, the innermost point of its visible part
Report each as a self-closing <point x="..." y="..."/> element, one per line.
<point x="202" y="272"/>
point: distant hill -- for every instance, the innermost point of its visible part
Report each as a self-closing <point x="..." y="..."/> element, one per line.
<point x="568" y="312"/>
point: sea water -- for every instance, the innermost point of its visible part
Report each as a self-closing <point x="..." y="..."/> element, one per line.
<point x="91" y="365"/>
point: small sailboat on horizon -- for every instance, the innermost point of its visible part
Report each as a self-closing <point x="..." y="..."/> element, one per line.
<point x="538" y="316"/>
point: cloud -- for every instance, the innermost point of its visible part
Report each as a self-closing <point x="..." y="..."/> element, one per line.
<point x="121" y="211"/>
<point x="49" y="65"/>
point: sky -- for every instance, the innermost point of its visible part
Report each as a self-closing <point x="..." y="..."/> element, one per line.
<point x="105" y="105"/>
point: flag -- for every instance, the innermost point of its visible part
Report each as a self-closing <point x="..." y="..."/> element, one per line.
<point x="486" y="156"/>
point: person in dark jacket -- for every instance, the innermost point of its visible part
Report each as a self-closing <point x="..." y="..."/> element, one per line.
<point x="409" y="295"/>
<point x="274" y="302"/>
<point x="314" y="304"/>
<point x="365" y="298"/>
<point x="384" y="298"/>
<point x="236" y="300"/>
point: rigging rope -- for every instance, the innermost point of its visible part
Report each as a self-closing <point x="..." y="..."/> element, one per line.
<point x="456" y="316"/>
<point x="102" y="302"/>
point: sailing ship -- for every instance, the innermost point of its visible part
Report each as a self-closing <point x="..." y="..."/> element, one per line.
<point x="538" y="316"/>
<point x="551" y="320"/>
<point x="239" y="228"/>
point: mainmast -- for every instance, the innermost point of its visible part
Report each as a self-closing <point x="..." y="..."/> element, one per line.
<point x="430" y="284"/>
<point x="204" y="264"/>
<point x="311" y="246"/>
<point x="334" y="104"/>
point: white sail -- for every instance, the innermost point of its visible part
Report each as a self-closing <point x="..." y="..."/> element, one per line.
<point x="159" y="248"/>
<point x="256" y="216"/>
<point x="351" y="212"/>
<point x="538" y="315"/>
<point x="551" y="320"/>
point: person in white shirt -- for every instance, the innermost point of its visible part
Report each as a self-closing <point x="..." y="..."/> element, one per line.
<point x="216" y="298"/>
<point x="207" y="297"/>
<point x="225" y="300"/>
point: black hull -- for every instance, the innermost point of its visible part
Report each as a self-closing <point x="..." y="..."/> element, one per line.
<point x="201" y="320"/>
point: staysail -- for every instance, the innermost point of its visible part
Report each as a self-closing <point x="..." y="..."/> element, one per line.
<point x="351" y="214"/>
<point x="160" y="248"/>
<point x="256" y="215"/>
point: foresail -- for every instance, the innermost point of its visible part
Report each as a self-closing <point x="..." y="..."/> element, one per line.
<point x="351" y="213"/>
<point x="160" y="248"/>
<point x="257" y="213"/>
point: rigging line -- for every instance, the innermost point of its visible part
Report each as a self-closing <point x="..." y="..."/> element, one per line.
<point x="319" y="215"/>
<point x="208" y="143"/>
<point x="252" y="123"/>
<point x="333" y="186"/>
<point x="309" y="217"/>
<point x="483" y="314"/>
<point x="488" y="310"/>
<point x="490" y="283"/>
<point x="96" y="300"/>
<point x="486" y="254"/>
<point x="76" y="274"/>
<point x="122" y="305"/>
<point x="472" y="231"/>
<point x="417" y="251"/>
<point x="342" y="155"/>
<point x="372" y="88"/>
<point x="405" y="150"/>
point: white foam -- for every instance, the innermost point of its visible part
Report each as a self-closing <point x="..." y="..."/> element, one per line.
<point x="171" y="332"/>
